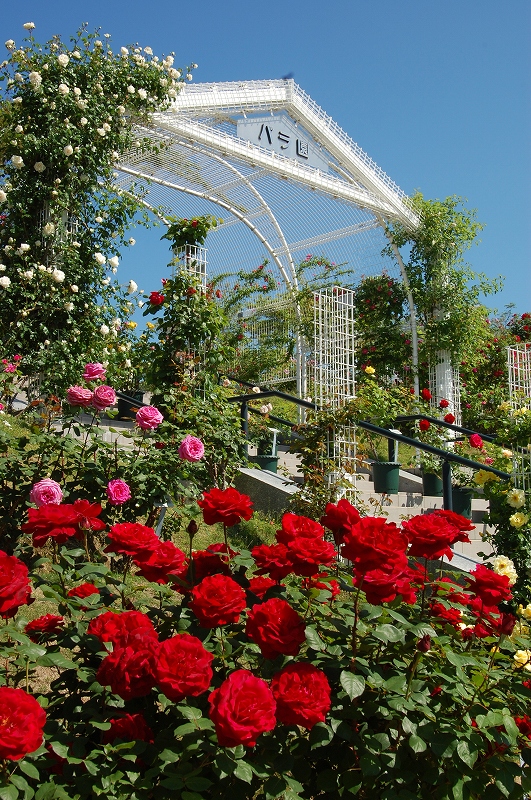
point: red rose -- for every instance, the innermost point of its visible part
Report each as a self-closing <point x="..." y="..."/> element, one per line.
<point x="241" y="709"/>
<point x="524" y="725"/>
<point x="449" y="418"/>
<point x="307" y="555"/>
<point x="431" y="536"/>
<point x="122" y="629"/>
<point x="339" y="518"/>
<point x="443" y="403"/>
<point x="491" y="588"/>
<point x="457" y="520"/>
<point x="272" y="559"/>
<point x="49" y="623"/>
<point x="130" y="671"/>
<point x="302" y="694"/>
<point x="382" y="584"/>
<point x="87" y="516"/>
<point x="51" y="521"/>
<point x="84" y="590"/>
<point x="217" y="600"/>
<point x="156" y="298"/>
<point x="225" y="505"/>
<point x="476" y="441"/>
<point x="260" y="585"/>
<point x="331" y="586"/>
<point x="130" y="728"/>
<point x="424" y="424"/>
<point x="296" y="527"/>
<point x="22" y="720"/>
<point x="132" y="539"/>
<point x="162" y="562"/>
<point x="183" y="667"/>
<point x="276" y="628"/>
<point x="15" y="588"/>
<point x="372" y="542"/>
<point x="425" y="394"/>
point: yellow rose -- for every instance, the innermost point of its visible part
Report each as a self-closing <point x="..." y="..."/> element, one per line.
<point x="131" y="324"/>
<point x="518" y="520"/>
<point x="150" y="325"/>
<point x="524" y="612"/>
<point x="516" y="498"/>
<point x="370" y="370"/>
<point x="522" y="658"/>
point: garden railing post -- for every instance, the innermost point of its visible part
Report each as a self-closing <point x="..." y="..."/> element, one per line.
<point x="244" y="414"/>
<point x="447" y="486"/>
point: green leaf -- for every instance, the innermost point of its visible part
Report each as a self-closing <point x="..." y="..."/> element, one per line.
<point x="314" y="640"/>
<point x="243" y="772"/>
<point x="23" y="785"/>
<point x="417" y="744"/>
<point x="197" y="784"/>
<point x="466" y="754"/>
<point x="191" y="796"/>
<point x="29" y="769"/>
<point x="8" y="792"/>
<point x="389" y="633"/>
<point x="353" y="685"/>
<point x="461" y="661"/>
<point x="169" y="757"/>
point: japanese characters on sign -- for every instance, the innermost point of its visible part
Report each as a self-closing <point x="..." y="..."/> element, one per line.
<point x="283" y="136"/>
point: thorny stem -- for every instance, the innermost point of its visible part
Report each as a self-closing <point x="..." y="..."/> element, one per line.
<point x="355" y="625"/>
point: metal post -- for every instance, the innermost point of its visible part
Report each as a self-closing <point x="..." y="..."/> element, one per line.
<point x="244" y="414"/>
<point x="447" y="486"/>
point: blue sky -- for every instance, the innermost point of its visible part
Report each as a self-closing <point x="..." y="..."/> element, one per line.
<point x="437" y="93"/>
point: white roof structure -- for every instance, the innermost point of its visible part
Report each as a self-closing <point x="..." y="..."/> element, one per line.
<point x="285" y="178"/>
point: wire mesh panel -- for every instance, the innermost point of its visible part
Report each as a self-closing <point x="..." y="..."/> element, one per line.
<point x="519" y="368"/>
<point x="445" y="384"/>
<point x="334" y="346"/>
<point x="268" y="345"/>
<point x="193" y="260"/>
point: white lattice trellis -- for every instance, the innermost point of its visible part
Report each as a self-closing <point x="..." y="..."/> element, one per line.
<point x="194" y="261"/>
<point x="333" y="370"/>
<point x="445" y="384"/>
<point x="519" y="369"/>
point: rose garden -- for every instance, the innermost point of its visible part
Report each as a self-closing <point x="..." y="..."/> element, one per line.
<point x="159" y="638"/>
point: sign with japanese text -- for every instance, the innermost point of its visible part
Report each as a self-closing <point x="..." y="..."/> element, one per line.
<point x="283" y="136"/>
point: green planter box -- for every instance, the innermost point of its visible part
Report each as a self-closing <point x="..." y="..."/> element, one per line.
<point x="432" y="485"/>
<point x="385" y="475"/>
<point x="462" y="501"/>
<point x="265" y="462"/>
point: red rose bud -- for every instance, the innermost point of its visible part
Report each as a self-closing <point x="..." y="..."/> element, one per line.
<point x="449" y="418"/>
<point x="424" y="425"/>
<point x="156" y="299"/>
<point x="425" y="394"/>
<point x="444" y="403"/>
<point x="424" y="644"/>
<point x="192" y="528"/>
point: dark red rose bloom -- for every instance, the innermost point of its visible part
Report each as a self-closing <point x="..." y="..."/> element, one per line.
<point x="491" y="588"/>
<point x="260" y="585"/>
<point x="424" y="644"/>
<point x="225" y="505"/>
<point x="424" y="424"/>
<point x="524" y="725"/>
<point x="241" y="709"/>
<point x="130" y="671"/>
<point x="431" y="536"/>
<point x="84" y="590"/>
<point x="381" y="585"/>
<point x="449" y="418"/>
<point x="183" y="667"/>
<point x="372" y="542"/>
<point x="156" y="298"/>
<point x="436" y="691"/>
<point x="130" y="728"/>
<point x="308" y="554"/>
<point x="451" y="615"/>
<point x="501" y="624"/>
<point x="331" y="586"/>
<point x="296" y="527"/>
<point x="87" y="516"/>
<point x="22" y="720"/>
<point x="15" y="588"/>
<point x="443" y="403"/>
<point x="276" y="628"/>
<point x="161" y="563"/>
<point x="122" y="629"/>
<point x="302" y="694"/>
<point x="217" y="600"/>
<point x="273" y="559"/>
<point x="452" y="591"/>
<point x="132" y="539"/>
<point x="460" y="522"/>
<point x="339" y="519"/>
<point x="212" y="561"/>
<point x="51" y="521"/>
<point x="425" y="394"/>
<point x="475" y="441"/>
<point x="49" y="623"/>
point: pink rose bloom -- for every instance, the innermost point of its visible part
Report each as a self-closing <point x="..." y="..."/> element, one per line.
<point x="94" y="372"/>
<point x="476" y="441"/>
<point x="10" y="368"/>
<point x="103" y="397"/>
<point x="118" y="492"/>
<point x="489" y="460"/>
<point x="79" y="396"/>
<point x="46" y="492"/>
<point x="191" y="449"/>
<point x="148" y="418"/>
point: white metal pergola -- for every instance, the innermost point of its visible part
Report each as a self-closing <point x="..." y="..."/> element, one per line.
<point x="286" y="179"/>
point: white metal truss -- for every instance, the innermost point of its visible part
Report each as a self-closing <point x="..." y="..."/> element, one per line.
<point x="445" y="384"/>
<point x="519" y="368"/>
<point x="193" y="260"/>
<point x="333" y="360"/>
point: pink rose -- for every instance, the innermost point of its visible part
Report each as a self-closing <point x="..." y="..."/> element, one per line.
<point x="148" y="418"/>
<point x="191" y="449"/>
<point x="118" y="492"/>
<point x="46" y="492"/>
<point x="476" y="441"/>
<point x="79" y="396"/>
<point x="94" y="372"/>
<point x="103" y="397"/>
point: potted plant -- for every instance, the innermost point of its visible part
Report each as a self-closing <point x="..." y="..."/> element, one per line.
<point x="265" y="440"/>
<point x="463" y="478"/>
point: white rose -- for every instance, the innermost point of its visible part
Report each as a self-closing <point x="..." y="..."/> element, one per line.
<point x="172" y="93"/>
<point x="132" y="287"/>
<point x="114" y="261"/>
<point x="117" y="323"/>
<point x="5" y="282"/>
<point x="3" y="196"/>
<point x="17" y="162"/>
<point x="10" y="44"/>
<point x="174" y="73"/>
<point x="131" y="89"/>
<point x="69" y="306"/>
<point x="82" y="104"/>
<point x="124" y="51"/>
<point x="2" y="268"/>
<point x="101" y="131"/>
<point x="68" y="150"/>
<point x="106" y="281"/>
<point x="148" y="51"/>
<point x="98" y="43"/>
<point x="29" y="26"/>
<point x="194" y="66"/>
<point x="141" y="304"/>
<point x="104" y="330"/>
<point x="39" y="166"/>
<point x="189" y="76"/>
<point x="74" y="288"/>
<point x="28" y="274"/>
<point x="19" y="129"/>
<point x="83" y="121"/>
<point x="132" y="241"/>
<point x="48" y="229"/>
<point x="63" y="89"/>
<point x="35" y="78"/>
<point x="168" y="61"/>
<point x="106" y="126"/>
<point x="63" y="60"/>
<point x="77" y="91"/>
<point x="127" y="362"/>
<point x="24" y="248"/>
<point x="100" y="258"/>
<point x="76" y="54"/>
<point x="41" y="268"/>
<point x="58" y="275"/>
<point x="142" y="94"/>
